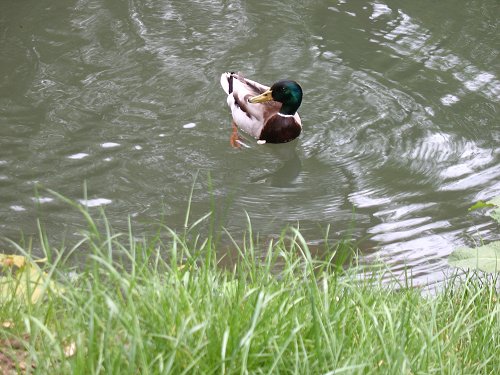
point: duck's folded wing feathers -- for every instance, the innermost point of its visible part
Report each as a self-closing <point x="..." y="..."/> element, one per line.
<point x="229" y="80"/>
<point x="255" y="88"/>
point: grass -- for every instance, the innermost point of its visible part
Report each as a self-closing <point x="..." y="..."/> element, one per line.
<point x="164" y="305"/>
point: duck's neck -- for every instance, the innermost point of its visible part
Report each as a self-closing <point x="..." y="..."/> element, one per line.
<point x="290" y="107"/>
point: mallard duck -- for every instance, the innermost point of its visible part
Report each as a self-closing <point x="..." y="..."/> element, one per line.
<point x="266" y="113"/>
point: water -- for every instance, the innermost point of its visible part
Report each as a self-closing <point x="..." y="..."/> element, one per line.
<point x="401" y="122"/>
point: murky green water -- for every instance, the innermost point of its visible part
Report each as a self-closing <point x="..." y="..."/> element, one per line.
<point x="401" y="118"/>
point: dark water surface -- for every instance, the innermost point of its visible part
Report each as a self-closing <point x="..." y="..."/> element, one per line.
<point x="401" y="118"/>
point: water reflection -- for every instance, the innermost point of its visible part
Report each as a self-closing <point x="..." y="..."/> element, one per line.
<point x="400" y="117"/>
<point x="286" y="174"/>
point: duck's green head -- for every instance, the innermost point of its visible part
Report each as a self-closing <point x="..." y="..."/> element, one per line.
<point x="287" y="92"/>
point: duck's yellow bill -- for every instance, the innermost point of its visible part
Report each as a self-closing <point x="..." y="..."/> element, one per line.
<point x="264" y="97"/>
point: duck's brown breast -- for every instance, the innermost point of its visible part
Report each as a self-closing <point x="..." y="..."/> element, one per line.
<point x="280" y="129"/>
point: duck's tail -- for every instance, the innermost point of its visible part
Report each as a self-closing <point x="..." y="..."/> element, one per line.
<point x="226" y="81"/>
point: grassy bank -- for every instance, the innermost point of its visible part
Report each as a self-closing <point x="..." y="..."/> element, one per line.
<point x="163" y="305"/>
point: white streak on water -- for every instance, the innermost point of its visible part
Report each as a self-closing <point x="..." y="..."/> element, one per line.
<point x="42" y="199"/>
<point x="429" y="111"/>
<point x="366" y="198"/>
<point x="78" y="156"/>
<point x="95" y="202"/>
<point x="449" y="99"/>
<point x="397" y="213"/>
<point x="395" y="235"/>
<point x="379" y="10"/>
<point x="473" y="180"/>
<point x="456" y="171"/>
<point x="109" y="144"/>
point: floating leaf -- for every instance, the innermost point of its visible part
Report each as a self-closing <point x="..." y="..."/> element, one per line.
<point x="28" y="282"/>
<point x="480" y="204"/>
<point x="12" y="260"/>
<point x="485" y="258"/>
<point x="19" y="261"/>
<point x="495" y="201"/>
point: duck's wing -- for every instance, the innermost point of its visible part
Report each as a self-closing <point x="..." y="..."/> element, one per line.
<point x="249" y="117"/>
<point x="227" y="81"/>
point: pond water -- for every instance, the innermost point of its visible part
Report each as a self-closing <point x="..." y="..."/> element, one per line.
<point x="400" y="112"/>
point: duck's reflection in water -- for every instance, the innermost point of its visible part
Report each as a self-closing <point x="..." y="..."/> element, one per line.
<point x="291" y="167"/>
